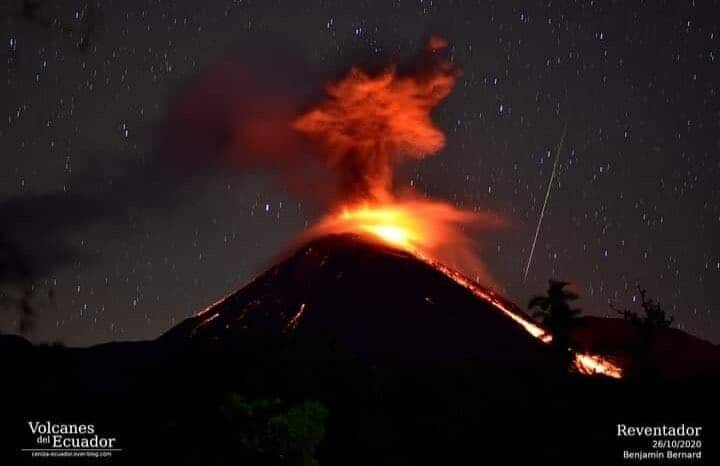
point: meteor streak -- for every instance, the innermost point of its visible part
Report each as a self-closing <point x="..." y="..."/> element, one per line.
<point x="369" y="123"/>
<point x="547" y="196"/>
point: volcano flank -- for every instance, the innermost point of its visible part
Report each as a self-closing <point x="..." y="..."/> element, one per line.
<point x="366" y="344"/>
<point x="354" y="352"/>
<point x="372" y="300"/>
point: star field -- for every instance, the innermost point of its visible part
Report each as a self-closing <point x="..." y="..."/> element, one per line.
<point x="133" y="239"/>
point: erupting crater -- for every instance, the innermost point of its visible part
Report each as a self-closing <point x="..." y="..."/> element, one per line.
<point x="425" y="305"/>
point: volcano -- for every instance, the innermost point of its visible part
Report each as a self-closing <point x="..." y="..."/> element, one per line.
<point x="366" y="344"/>
<point x="411" y="359"/>
<point x="375" y="301"/>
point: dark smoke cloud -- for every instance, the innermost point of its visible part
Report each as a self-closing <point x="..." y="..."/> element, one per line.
<point x="234" y="116"/>
<point x="325" y="144"/>
<point x="239" y="115"/>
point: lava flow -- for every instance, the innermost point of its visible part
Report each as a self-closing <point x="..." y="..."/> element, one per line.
<point x="366" y="126"/>
<point x="403" y="226"/>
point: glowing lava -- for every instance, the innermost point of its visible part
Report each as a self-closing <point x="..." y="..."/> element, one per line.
<point x="591" y="364"/>
<point x="368" y="124"/>
<point x="421" y="227"/>
<point x="584" y="363"/>
<point x="390" y="223"/>
<point x="433" y="228"/>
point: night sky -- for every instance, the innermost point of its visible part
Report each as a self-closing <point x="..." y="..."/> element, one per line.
<point x="135" y="231"/>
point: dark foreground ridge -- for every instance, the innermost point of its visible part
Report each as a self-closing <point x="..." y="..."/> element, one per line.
<point x="356" y="354"/>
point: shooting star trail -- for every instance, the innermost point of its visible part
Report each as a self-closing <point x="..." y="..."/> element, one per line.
<point x="547" y="196"/>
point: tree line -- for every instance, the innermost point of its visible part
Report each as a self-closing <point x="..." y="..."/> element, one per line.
<point x="556" y="312"/>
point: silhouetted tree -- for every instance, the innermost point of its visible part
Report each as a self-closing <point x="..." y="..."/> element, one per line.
<point x="557" y="315"/>
<point x="652" y="319"/>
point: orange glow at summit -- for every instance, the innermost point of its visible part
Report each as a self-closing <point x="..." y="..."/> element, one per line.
<point x="423" y="227"/>
<point x="366" y="126"/>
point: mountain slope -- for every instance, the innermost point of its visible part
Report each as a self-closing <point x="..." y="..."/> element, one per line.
<point x="675" y="355"/>
<point x="374" y="301"/>
<point x="412" y="367"/>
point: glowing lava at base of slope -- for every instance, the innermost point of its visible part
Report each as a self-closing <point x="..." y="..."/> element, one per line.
<point x="419" y="227"/>
<point x="366" y="125"/>
<point x="590" y="364"/>
<point x="584" y="363"/>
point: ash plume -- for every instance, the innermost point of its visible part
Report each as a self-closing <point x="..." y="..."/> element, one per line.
<point x="369" y="123"/>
